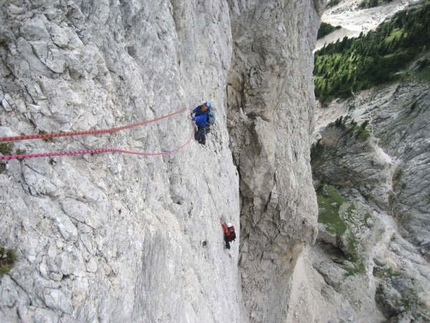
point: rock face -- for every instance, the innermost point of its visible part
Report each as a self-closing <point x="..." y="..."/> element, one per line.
<point x="269" y="118"/>
<point x="372" y="185"/>
<point x="117" y="237"/>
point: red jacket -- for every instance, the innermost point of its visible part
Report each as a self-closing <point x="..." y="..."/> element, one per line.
<point x="226" y="231"/>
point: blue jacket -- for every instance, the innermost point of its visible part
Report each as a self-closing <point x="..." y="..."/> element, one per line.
<point x="200" y="117"/>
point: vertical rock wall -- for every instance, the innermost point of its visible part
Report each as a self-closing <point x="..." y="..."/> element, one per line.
<point x="115" y="237"/>
<point x="270" y="98"/>
<point x="118" y="238"/>
<point x="374" y="252"/>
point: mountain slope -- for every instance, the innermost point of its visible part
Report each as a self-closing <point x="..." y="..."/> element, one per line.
<point x="369" y="159"/>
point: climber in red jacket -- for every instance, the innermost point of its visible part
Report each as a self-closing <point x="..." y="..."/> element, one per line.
<point x="229" y="233"/>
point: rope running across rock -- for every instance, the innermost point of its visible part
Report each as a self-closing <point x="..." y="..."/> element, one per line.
<point x="90" y="132"/>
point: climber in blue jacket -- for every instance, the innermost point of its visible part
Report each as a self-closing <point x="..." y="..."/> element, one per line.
<point x="200" y="117"/>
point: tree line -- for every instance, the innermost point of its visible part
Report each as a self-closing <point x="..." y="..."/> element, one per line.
<point x="326" y="29"/>
<point x="354" y="64"/>
<point x="372" y="3"/>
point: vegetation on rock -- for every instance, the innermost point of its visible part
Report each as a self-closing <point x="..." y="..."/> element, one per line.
<point x="332" y="3"/>
<point x="5" y="148"/>
<point x="348" y="128"/>
<point x="372" y="3"/>
<point x="341" y="223"/>
<point x="329" y="202"/>
<point x="326" y="29"/>
<point x="7" y="260"/>
<point x="355" y="64"/>
<point x="352" y="127"/>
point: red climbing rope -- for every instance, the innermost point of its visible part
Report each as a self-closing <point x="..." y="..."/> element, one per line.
<point x="94" y="151"/>
<point x="91" y="151"/>
<point x="86" y="132"/>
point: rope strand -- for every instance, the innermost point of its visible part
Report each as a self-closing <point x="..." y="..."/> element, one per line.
<point x="91" y="151"/>
<point x="95" y="151"/>
<point x="86" y="132"/>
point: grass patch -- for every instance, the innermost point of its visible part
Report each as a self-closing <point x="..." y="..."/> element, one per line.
<point x="5" y="148"/>
<point x="352" y="244"/>
<point x="357" y="268"/>
<point x="20" y="152"/>
<point x="351" y="240"/>
<point x="7" y="260"/>
<point x="385" y="272"/>
<point x="42" y="132"/>
<point x="329" y="202"/>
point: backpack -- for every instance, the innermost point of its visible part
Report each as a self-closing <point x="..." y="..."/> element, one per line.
<point x="211" y="117"/>
<point x="232" y="235"/>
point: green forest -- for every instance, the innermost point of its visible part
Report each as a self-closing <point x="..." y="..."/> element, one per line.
<point x="372" y="3"/>
<point x="355" y="64"/>
<point x="326" y="29"/>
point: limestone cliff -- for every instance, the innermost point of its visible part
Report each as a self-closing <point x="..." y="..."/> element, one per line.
<point x="118" y="238"/>
<point x="372" y="185"/>
<point x="370" y="161"/>
<point x="270" y="110"/>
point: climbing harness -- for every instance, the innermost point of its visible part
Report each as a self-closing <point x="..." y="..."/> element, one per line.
<point x="91" y="132"/>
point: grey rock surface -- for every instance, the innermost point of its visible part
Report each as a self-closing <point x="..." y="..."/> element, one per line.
<point x="383" y="184"/>
<point x="269" y="116"/>
<point x="117" y="238"/>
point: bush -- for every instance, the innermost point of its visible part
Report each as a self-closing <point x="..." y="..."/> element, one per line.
<point x="5" y="148"/>
<point x="326" y="29"/>
<point x="352" y="128"/>
<point x="7" y="260"/>
<point x="368" y="4"/>
<point x="332" y="3"/>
